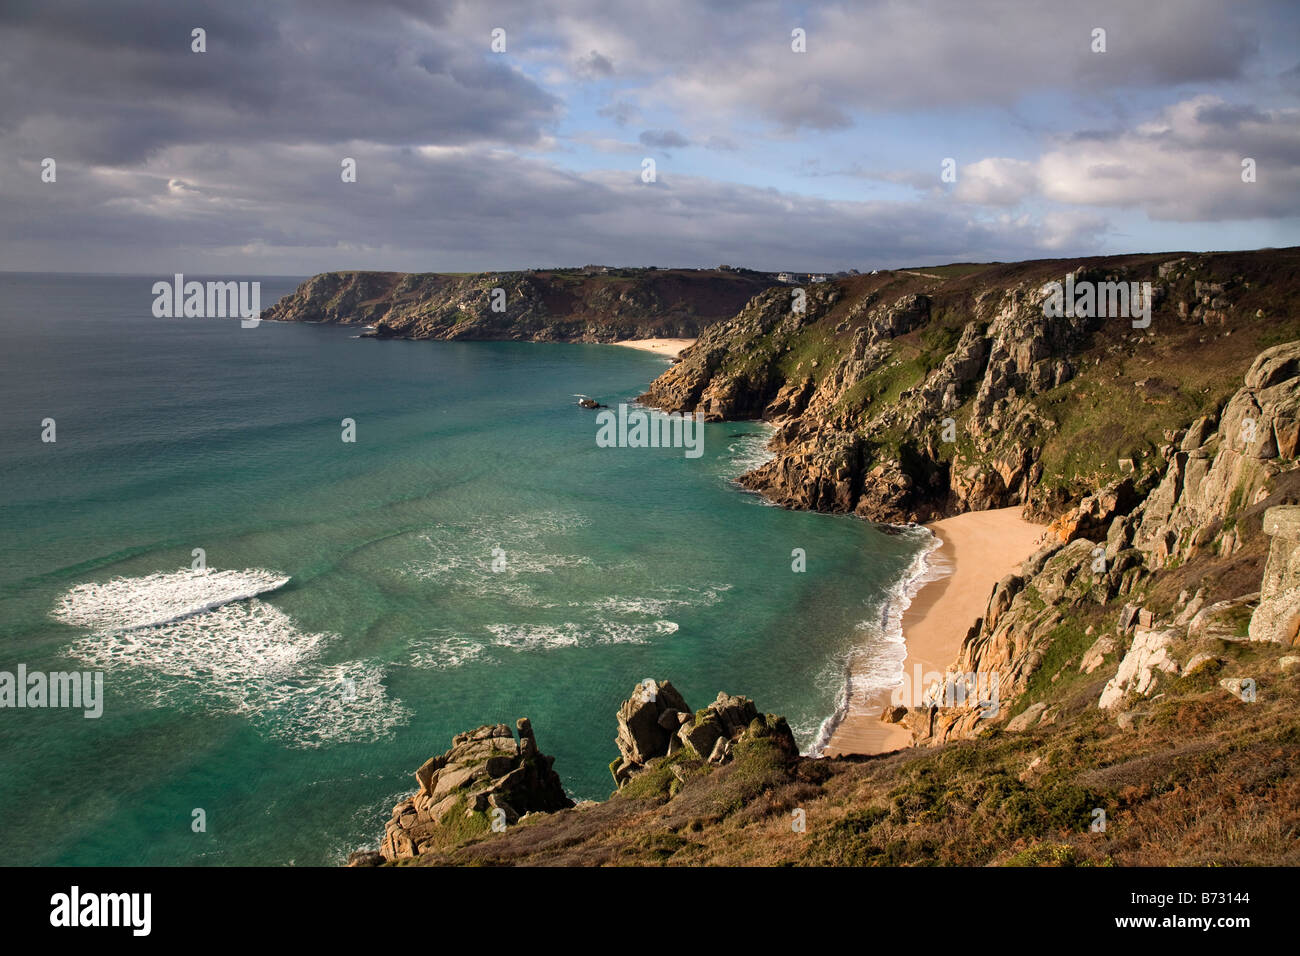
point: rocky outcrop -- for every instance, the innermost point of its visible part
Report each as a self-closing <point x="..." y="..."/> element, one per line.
<point x="488" y="782"/>
<point x="1095" y="514"/>
<point x="1148" y="656"/>
<point x="1116" y="544"/>
<point x="655" y="722"/>
<point x="900" y="397"/>
<point x="1277" y="618"/>
<point x="1232" y="466"/>
<point x="581" y="305"/>
<point x="486" y="774"/>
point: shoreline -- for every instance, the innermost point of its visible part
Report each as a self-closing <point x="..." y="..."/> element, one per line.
<point x="952" y="594"/>
<point x="668" y="348"/>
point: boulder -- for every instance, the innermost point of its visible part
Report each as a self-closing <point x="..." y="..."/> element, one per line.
<point x="1223" y="620"/>
<point x="645" y="720"/>
<point x="485" y="770"/>
<point x="1026" y="718"/>
<point x="1240" y="687"/>
<point x="1095" y="656"/>
<point x="1277" y="618"/>
<point x="701" y="736"/>
<point x="1147" y="658"/>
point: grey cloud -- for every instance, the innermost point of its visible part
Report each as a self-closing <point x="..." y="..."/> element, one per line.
<point x="621" y="112"/>
<point x="469" y="209"/>
<point x="1185" y="165"/>
<point x="116" y="83"/>
<point x="231" y="158"/>
<point x="594" y="65"/>
<point x="864" y="59"/>
<point x="663" y="139"/>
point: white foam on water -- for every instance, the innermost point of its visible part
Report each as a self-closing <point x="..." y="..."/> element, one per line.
<point x="332" y="703"/>
<point x="545" y="637"/>
<point x="463" y="560"/>
<point x="222" y="649"/>
<point x="447" y="650"/>
<point x="156" y="599"/>
<point x="237" y="656"/>
<point x="660" y="601"/>
<point x="875" y="664"/>
<point x="747" y="452"/>
<point x="464" y="553"/>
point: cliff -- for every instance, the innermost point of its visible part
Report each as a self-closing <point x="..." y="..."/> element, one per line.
<point x="906" y="395"/>
<point x="1188" y="580"/>
<point x="577" y="305"/>
<point x="1146" y="660"/>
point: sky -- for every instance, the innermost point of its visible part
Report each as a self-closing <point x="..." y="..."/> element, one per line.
<point x="494" y="135"/>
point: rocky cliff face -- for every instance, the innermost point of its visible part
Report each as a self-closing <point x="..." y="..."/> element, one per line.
<point x="900" y="397"/>
<point x="1219" y="529"/>
<point x="554" y="305"/>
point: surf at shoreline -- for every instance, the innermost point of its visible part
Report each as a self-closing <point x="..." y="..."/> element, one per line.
<point x="866" y="681"/>
<point x="933" y="620"/>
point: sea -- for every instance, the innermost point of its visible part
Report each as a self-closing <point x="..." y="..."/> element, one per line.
<point x="288" y="623"/>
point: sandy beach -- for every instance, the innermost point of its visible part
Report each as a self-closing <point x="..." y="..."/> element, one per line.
<point x="979" y="548"/>
<point x="669" y="348"/>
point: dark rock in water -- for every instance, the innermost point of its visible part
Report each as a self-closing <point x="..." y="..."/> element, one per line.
<point x="484" y="771"/>
<point x="589" y="403"/>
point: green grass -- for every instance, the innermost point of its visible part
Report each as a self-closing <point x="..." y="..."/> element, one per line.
<point x="658" y="781"/>
<point x="881" y="388"/>
<point x="1045" y="854"/>
<point x="1098" y="423"/>
<point x="1066" y="644"/>
<point x="813" y="344"/>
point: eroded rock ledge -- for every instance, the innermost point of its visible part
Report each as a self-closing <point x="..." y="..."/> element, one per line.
<point x="900" y="398"/>
<point x="488" y="782"/>
<point x="656" y="722"/>
<point x="485" y="770"/>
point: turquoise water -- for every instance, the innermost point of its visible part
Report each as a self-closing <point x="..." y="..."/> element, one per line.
<point x="294" y="719"/>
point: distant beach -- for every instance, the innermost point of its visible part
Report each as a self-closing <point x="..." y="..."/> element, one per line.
<point x="978" y="549"/>
<point x="670" y="348"/>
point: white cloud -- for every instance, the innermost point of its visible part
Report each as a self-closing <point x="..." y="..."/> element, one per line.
<point x="997" y="182"/>
<point x="1185" y="165"/>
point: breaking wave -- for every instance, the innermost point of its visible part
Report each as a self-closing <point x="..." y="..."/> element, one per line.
<point x="225" y="651"/>
<point x="124" y="604"/>
<point x="876" y="665"/>
<point x="747" y="452"/>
